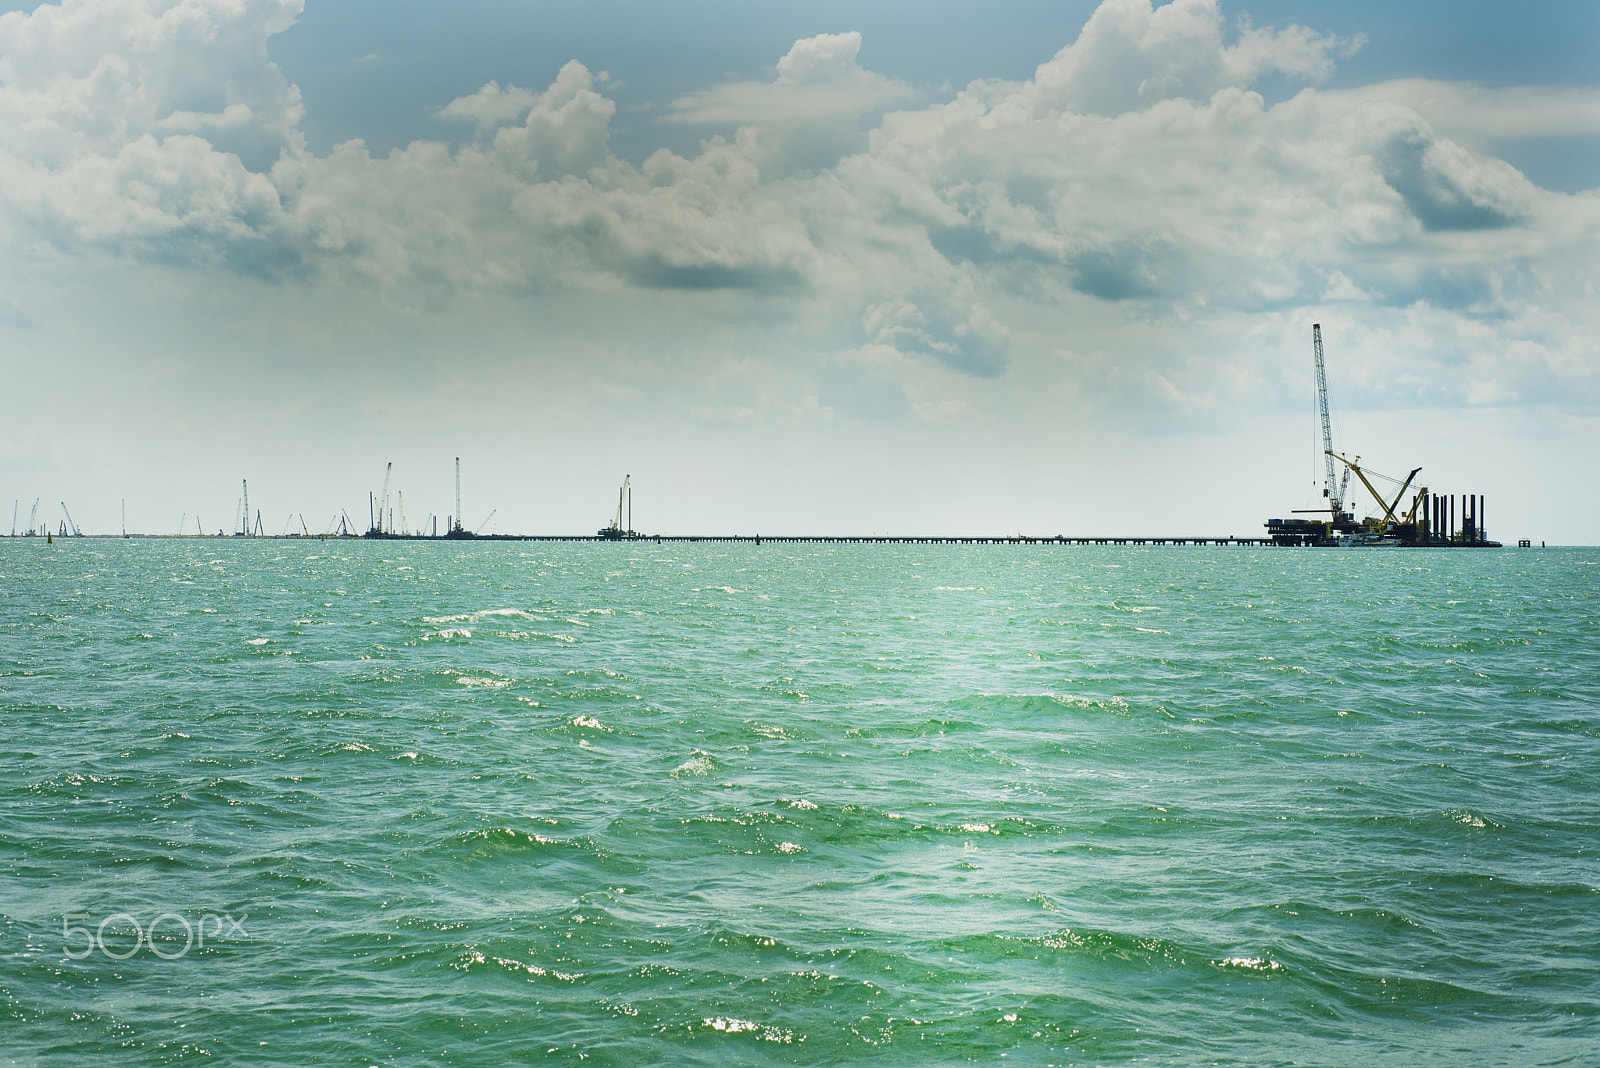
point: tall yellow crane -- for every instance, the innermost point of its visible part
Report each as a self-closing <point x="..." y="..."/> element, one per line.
<point x="1387" y="506"/>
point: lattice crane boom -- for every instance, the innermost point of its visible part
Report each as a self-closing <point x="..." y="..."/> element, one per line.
<point x="1335" y="495"/>
<point x="383" y="502"/>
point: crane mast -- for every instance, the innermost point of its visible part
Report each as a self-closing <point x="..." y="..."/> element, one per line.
<point x="622" y="525"/>
<point x="383" y="501"/>
<point x="1328" y="487"/>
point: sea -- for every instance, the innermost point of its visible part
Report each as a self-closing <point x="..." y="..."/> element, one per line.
<point x="306" y="802"/>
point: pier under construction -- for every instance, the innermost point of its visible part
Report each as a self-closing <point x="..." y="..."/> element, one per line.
<point x="1422" y="520"/>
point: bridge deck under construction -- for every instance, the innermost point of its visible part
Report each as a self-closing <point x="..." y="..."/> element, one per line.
<point x="901" y="539"/>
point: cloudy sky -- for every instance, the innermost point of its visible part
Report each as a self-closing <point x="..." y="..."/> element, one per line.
<point x="820" y="267"/>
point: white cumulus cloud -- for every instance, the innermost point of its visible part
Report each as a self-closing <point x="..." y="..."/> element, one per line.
<point x="490" y="106"/>
<point x="1131" y="55"/>
<point x="815" y="111"/>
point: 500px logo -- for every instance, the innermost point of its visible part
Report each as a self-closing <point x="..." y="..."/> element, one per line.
<point x="112" y="935"/>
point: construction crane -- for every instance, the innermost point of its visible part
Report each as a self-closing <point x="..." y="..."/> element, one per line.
<point x="479" y="528"/>
<point x="404" y="529"/>
<point x="457" y="528"/>
<point x="624" y="500"/>
<point x="1416" y="502"/>
<point x="33" y="518"/>
<point x="1387" y="506"/>
<point x="383" y="500"/>
<point x="76" y="533"/>
<point x="1335" y="496"/>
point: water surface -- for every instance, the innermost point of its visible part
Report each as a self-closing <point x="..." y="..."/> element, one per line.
<point x="484" y="804"/>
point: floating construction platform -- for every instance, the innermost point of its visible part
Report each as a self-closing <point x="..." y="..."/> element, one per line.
<point x="1429" y="522"/>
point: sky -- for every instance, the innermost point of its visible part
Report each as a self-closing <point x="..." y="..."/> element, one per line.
<point x="821" y="268"/>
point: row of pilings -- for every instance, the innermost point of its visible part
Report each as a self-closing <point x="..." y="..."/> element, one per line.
<point x="1439" y="512"/>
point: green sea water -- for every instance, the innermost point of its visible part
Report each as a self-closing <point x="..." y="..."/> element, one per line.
<point x="355" y="803"/>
